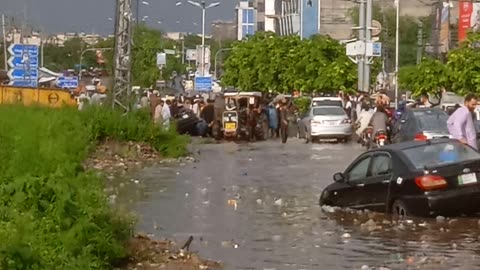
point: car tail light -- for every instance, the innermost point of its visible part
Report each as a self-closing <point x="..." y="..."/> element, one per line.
<point x="420" y="137"/>
<point x="430" y="182"/>
<point x="346" y="121"/>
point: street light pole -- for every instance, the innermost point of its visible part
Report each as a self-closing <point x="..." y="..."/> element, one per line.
<point x="4" y="42"/>
<point x="203" y="5"/>
<point x="301" y="19"/>
<point x="81" y="58"/>
<point x="397" y="36"/>
<point x="216" y="55"/>
<point x="204" y="12"/>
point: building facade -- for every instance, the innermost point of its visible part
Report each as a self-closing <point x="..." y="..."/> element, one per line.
<point x="245" y="19"/>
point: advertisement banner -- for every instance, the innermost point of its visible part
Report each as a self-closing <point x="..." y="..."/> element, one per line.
<point x="465" y="10"/>
<point x="445" y="28"/>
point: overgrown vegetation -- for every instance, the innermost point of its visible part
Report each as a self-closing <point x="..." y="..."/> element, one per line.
<point x="53" y="214"/>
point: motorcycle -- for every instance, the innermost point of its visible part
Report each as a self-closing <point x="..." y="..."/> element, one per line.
<point x="380" y="139"/>
<point x="366" y="137"/>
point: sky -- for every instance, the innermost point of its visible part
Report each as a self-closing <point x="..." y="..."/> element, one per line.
<point x="95" y="16"/>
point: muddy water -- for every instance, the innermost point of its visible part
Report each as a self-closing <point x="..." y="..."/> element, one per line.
<point x="255" y="206"/>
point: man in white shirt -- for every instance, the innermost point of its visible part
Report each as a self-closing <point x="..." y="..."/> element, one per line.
<point x="166" y="115"/>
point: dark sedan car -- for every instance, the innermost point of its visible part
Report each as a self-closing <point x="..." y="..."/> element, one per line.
<point x="421" y="124"/>
<point x="417" y="178"/>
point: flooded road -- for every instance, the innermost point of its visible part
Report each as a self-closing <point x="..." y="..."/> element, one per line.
<point x="255" y="206"/>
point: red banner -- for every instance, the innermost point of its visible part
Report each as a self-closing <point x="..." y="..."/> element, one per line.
<point x="465" y="10"/>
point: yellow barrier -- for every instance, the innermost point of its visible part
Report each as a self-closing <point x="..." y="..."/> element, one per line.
<point x="41" y="96"/>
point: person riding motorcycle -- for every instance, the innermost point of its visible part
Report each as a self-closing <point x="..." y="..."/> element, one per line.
<point x="379" y="120"/>
<point x="363" y="119"/>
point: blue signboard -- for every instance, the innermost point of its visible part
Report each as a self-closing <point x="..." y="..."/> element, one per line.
<point x="377" y="49"/>
<point x="23" y="65"/>
<point x="67" y="82"/>
<point x="203" y="84"/>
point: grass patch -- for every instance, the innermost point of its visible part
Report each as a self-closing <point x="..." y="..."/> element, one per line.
<point x="54" y="215"/>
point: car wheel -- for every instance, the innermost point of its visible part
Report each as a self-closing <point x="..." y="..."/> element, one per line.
<point x="400" y="210"/>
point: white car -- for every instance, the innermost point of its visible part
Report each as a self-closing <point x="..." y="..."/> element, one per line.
<point x="328" y="122"/>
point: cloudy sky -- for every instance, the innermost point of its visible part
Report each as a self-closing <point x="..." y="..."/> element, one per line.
<point x="95" y="15"/>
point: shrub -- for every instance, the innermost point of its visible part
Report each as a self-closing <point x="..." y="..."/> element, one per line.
<point x="53" y="215"/>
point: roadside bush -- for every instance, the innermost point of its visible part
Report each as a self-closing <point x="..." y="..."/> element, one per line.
<point x="53" y="215"/>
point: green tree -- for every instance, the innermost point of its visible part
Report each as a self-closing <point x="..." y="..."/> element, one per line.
<point x="464" y="66"/>
<point x="266" y="62"/>
<point x="147" y="43"/>
<point x="429" y="77"/>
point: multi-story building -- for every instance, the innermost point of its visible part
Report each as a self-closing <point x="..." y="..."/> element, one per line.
<point x="246" y="19"/>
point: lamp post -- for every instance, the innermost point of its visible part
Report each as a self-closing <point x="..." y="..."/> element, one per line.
<point x="203" y="5"/>
<point x="81" y="58"/>
<point x="301" y="19"/>
<point x="397" y="36"/>
<point x="216" y="55"/>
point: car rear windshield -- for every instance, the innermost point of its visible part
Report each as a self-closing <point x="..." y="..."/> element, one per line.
<point x="327" y="103"/>
<point x="432" y="120"/>
<point x="328" y="111"/>
<point x="437" y="154"/>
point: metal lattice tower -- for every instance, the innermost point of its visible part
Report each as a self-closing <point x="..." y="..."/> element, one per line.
<point x="123" y="47"/>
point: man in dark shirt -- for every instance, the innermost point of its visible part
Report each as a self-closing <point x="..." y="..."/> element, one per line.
<point x="283" y="121"/>
<point x="208" y="114"/>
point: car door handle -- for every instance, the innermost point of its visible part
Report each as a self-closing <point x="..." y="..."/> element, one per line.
<point x="386" y="181"/>
<point x="360" y="185"/>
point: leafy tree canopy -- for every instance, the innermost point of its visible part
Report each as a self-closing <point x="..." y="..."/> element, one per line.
<point x="266" y="61"/>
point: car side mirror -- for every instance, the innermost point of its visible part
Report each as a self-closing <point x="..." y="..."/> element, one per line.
<point x="339" y="177"/>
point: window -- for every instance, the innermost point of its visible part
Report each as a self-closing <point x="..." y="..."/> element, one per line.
<point x="328" y="111"/>
<point x="432" y="120"/>
<point x="437" y="154"/>
<point x="359" y="170"/>
<point x="248" y="16"/>
<point x="381" y="165"/>
<point x="248" y="22"/>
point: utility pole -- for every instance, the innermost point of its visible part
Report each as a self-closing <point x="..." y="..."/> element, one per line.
<point x="361" y="37"/>
<point x="123" y="57"/>
<point x="397" y="43"/>
<point x="4" y="43"/>
<point x="301" y="19"/>
<point x="437" y="26"/>
<point x="368" y="40"/>
<point x="419" y="42"/>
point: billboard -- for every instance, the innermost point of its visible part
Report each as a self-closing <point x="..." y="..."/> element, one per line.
<point x="469" y="18"/>
<point x="311" y="17"/>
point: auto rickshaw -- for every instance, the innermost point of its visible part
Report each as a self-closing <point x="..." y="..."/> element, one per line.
<point x="244" y="117"/>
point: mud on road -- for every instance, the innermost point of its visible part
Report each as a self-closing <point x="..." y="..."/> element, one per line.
<point x="255" y="206"/>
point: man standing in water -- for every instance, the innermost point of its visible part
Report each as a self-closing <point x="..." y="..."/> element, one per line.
<point x="460" y="123"/>
<point x="283" y="120"/>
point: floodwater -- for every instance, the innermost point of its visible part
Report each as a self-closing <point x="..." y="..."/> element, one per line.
<point x="255" y="206"/>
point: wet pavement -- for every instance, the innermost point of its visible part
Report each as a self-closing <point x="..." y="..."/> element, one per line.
<point x="255" y="206"/>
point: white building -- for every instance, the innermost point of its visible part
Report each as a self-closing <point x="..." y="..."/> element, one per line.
<point x="246" y="18"/>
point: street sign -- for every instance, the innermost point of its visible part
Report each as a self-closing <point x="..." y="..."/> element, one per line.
<point x="19" y="62"/>
<point x="203" y="84"/>
<point x="376" y="28"/>
<point x="67" y="82"/>
<point x="355" y="48"/>
<point x="20" y="49"/>
<point x="168" y="51"/>
<point x="374" y="49"/>
<point x="161" y="59"/>
<point x="23" y="64"/>
<point x="191" y="55"/>
<point x="21" y="74"/>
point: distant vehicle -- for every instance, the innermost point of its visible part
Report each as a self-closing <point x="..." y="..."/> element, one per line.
<point x="418" y="178"/>
<point x="326" y="101"/>
<point x="421" y="124"/>
<point x="329" y="122"/>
